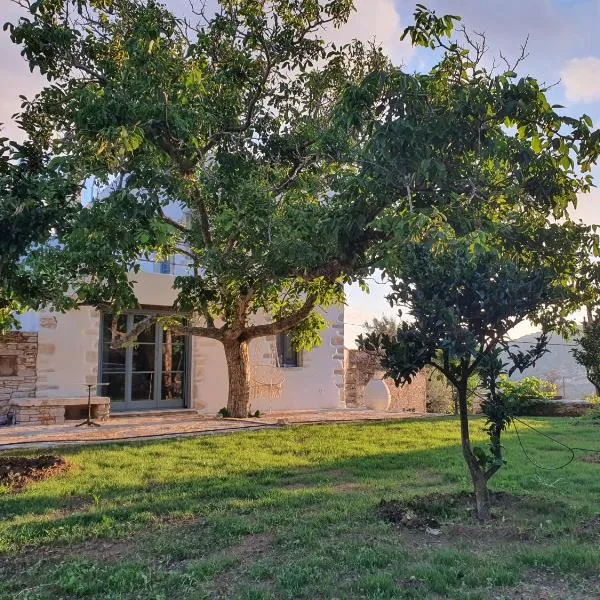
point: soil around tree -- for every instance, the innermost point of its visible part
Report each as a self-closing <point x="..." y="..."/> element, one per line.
<point x="18" y="471"/>
<point x="428" y="512"/>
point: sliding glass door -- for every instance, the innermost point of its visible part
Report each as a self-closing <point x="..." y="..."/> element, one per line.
<point x="151" y="373"/>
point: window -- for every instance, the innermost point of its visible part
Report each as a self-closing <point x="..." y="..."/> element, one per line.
<point x="286" y="354"/>
<point x="164" y="267"/>
<point x="8" y="366"/>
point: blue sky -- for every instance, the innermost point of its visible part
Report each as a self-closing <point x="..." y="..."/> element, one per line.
<point x="563" y="46"/>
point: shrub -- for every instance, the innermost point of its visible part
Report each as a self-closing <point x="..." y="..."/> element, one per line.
<point x="525" y="395"/>
<point x="593" y="399"/>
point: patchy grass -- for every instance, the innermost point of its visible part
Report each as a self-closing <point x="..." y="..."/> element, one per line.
<point x="294" y="514"/>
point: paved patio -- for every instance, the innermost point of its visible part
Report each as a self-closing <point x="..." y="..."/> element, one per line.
<point x="150" y="425"/>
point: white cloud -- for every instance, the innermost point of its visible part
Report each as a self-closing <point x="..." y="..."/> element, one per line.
<point x="378" y="20"/>
<point x="581" y="79"/>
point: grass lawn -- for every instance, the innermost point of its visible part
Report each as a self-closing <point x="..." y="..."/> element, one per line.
<point x="292" y="513"/>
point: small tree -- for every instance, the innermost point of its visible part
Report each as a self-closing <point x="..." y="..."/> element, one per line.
<point x="494" y="250"/>
<point x="464" y="293"/>
<point x="587" y="354"/>
<point x="384" y="324"/>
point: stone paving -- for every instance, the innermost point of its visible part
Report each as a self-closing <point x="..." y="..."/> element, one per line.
<point x="179" y="424"/>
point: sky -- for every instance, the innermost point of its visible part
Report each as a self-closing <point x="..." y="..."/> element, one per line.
<point x="563" y="47"/>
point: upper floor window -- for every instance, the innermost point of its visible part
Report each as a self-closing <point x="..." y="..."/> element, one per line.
<point x="286" y="354"/>
<point x="164" y="267"/>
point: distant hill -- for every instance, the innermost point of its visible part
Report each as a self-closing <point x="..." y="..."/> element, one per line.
<point x="559" y="362"/>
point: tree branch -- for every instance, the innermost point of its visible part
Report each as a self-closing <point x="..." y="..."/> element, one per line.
<point x="173" y="223"/>
<point x="284" y="323"/>
<point x="214" y="333"/>
<point x="119" y="338"/>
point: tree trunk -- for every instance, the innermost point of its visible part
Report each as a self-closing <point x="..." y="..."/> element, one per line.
<point x="238" y="371"/>
<point x="482" y="495"/>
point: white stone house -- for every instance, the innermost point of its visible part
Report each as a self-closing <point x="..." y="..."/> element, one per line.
<point x="54" y="355"/>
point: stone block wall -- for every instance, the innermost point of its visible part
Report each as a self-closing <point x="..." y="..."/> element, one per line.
<point x="18" y="352"/>
<point x="360" y="367"/>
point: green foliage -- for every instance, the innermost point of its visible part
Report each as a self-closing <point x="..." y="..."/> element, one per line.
<point x="528" y="388"/>
<point x="384" y="325"/>
<point x="491" y="252"/>
<point x="593" y="399"/>
<point x="34" y="200"/>
<point x="587" y="352"/>
<point x="233" y="120"/>
<point x="440" y="394"/>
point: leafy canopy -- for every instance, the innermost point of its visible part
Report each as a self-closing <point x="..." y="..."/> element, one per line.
<point x="232" y="118"/>
<point x="34" y="202"/>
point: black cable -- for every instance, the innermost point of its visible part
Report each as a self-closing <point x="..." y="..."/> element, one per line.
<point x="571" y="449"/>
<point x="533" y="462"/>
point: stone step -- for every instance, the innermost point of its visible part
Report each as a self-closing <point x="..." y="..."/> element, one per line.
<point x="160" y="412"/>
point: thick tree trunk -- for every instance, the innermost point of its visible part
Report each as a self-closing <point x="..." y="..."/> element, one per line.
<point x="482" y="495"/>
<point x="238" y="370"/>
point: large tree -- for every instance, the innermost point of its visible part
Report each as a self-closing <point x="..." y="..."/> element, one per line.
<point x="283" y="151"/>
<point x="231" y="117"/>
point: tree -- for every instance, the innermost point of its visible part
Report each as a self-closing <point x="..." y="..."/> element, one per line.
<point x="464" y="294"/>
<point x="384" y="324"/>
<point x="231" y="117"/>
<point x="587" y="354"/>
<point x="491" y="253"/>
<point x="34" y="202"/>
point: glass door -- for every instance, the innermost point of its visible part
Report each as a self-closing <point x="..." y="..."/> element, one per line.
<point x="151" y="373"/>
<point x="172" y="369"/>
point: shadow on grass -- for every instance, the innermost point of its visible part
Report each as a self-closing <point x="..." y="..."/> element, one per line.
<point x="234" y="490"/>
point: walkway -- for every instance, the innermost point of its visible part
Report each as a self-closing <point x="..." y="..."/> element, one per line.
<point x="178" y="424"/>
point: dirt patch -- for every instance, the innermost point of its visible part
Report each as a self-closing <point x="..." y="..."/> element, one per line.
<point x="248" y="550"/>
<point x="589" y="529"/>
<point x="18" y="471"/>
<point x="448" y="518"/>
<point x="542" y="585"/>
<point x="249" y="547"/>
<point x="349" y="487"/>
<point x="429" y="510"/>
<point x="404" y="515"/>
<point x="591" y="458"/>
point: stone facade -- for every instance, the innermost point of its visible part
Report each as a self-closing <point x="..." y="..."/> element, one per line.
<point x="337" y="343"/>
<point x="18" y="352"/>
<point x="360" y="367"/>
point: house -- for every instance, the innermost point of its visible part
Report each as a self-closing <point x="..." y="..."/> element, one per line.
<point x="55" y="355"/>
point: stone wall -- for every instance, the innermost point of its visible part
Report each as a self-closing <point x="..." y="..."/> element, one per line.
<point x="18" y="354"/>
<point x="361" y="366"/>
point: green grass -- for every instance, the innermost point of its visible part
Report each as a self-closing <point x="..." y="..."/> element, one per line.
<point x="293" y="514"/>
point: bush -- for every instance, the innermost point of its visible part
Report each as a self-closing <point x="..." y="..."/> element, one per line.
<point x="525" y="396"/>
<point x="440" y="398"/>
<point x="593" y="399"/>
